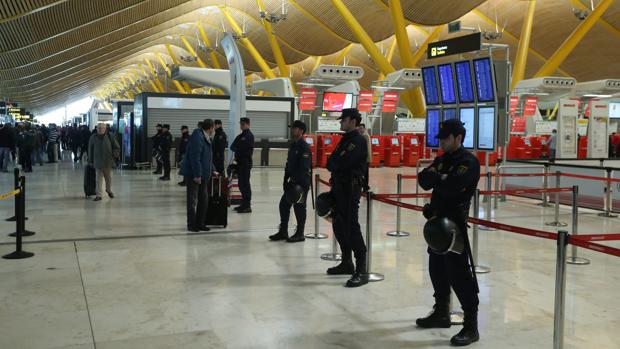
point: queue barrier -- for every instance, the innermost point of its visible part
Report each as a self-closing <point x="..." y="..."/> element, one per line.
<point x="19" y="193"/>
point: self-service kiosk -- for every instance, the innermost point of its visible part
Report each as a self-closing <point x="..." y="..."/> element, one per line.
<point x="376" y="146"/>
<point x="412" y="149"/>
<point x="327" y="144"/>
<point x="582" y="150"/>
<point x="312" y="142"/>
<point x="392" y="151"/>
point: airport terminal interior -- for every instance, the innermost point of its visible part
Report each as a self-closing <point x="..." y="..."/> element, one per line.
<point x="150" y="148"/>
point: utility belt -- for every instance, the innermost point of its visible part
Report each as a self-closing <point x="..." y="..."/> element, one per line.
<point x="348" y="183"/>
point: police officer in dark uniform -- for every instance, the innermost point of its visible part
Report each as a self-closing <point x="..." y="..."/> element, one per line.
<point x="183" y="148"/>
<point x="156" y="150"/>
<point x="220" y="143"/>
<point x="297" y="177"/>
<point x="243" y="146"/>
<point x="165" y="143"/>
<point x="347" y="165"/>
<point x="453" y="178"/>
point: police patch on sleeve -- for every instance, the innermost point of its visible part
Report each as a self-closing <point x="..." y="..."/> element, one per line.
<point x="306" y="155"/>
<point x="461" y="170"/>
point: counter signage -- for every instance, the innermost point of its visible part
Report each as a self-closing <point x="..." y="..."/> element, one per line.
<point x="461" y="44"/>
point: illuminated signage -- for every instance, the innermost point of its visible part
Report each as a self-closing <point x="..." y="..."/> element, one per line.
<point x="461" y="44"/>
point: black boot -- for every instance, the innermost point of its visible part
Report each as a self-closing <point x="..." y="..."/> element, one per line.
<point x="344" y="268"/>
<point x="298" y="236"/>
<point x="282" y="234"/>
<point x="438" y="318"/>
<point x="469" y="333"/>
<point x="360" y="277"/>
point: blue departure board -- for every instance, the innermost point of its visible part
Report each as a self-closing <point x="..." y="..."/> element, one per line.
<point x="449" y="113"/>
<point x="431" y="93"/>
<point x="464" y="82"/>
<point x="468" y="118"/>
<point x="485" y="86"/>
<point x="446" y="84"/>
<point x="432" y="128"/>
<point x="486" y="128"/>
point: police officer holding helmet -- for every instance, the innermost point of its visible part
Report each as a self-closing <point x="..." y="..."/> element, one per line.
<point x="453" y="178"/>
<point x="347" y="166"/>
<point x="297" y="177"/>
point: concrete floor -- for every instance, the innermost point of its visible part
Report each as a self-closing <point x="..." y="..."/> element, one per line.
<point x="123" y="273"/>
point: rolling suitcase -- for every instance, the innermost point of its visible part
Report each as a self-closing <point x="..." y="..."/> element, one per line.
<point x="217" y="210"/>
<point x="89" y="180"/>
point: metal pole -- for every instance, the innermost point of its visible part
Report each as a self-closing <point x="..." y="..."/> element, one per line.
<point x="20" y="214"/>
<point x="456" y="317"/>
<point x="487" y="201"/>
<point x="497" y="180"/>
<point x="371" y="276"/>
<point x="545" y="182"/>
<point x="334" y="255"/>
<point x="556" y="220"/>
<point x="474" y="249"/>
<point x="16" y="185"/>
<point x="317" y="234"/>
<point x="560" y="287"/>
<point x="608" y="198"/>
<point x="573" y="259"/>
<point x="399" y="188"/>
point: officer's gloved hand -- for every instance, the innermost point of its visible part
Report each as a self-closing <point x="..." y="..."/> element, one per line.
<point x="427" y="211"/>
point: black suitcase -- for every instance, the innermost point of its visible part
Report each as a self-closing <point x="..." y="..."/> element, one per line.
<point x="89" y="180"/>
<point x="217" y="210"/>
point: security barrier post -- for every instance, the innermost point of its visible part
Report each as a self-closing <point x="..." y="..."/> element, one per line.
<point x="398" y="232"/>
<point x="487" y="201"/>
<point x="317" y="234"/>
<point x="556" y="220"/>
<point x="16" y="185"/>
<point x="334" y="255"/>
<point x="474" y="249"/>
<point x="573" y="259"/>
<point x="608" y="198"/>
<point x="456" y="317"/>
<point x="545" y="180"/>
<point x="371" y="276"/>
<point x="20" y="211"/>
<point x="560" y="286"/>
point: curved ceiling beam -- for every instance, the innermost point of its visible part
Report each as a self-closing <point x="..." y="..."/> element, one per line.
<point x="17" y="15"/>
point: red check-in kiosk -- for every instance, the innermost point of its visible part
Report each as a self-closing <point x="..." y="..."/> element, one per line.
<point x="536" y="143"/>
<point x="392" y="151"/>
<point x="327" y="144"/>
<point x="312" y="142"/>
<point x="582" y="149"/>
<point x="376" y="146"/>
<point x="411" y="149"/>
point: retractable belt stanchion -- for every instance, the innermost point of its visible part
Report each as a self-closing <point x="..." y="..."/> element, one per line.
<point x="560" y="291"/>
<point x="573" y="259"/>
<point x="16" y="181"/>
<point x="317" y="234"/>
<point x="334" y="255"/>
<point x="545" y="183"/>
<point x="608" y="198"/>
<point x="556" y="220"/>
<point x="456" y="317"/>
<point x="487" y="201"/>
<point x="371" y="276"/>
<point x="480" y="269"/>
<point x="20" y="224"/>
<point x="22" y="186"/>
<point x="398" y="232"/>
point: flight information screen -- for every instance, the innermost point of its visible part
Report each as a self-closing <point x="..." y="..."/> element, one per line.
<point x="431" y="93"/>
<point x="464" y="82"/>
<point x="468" y="118"/>
<point x="486" y="128"/>
<point x="432" y="128"/>
<point x="446" y="83"/>
<point x="449" y="113"/>
<point x="484" y="80"/>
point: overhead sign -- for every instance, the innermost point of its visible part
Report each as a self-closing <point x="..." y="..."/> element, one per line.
<point x="531" y="106"/>
<point x="390" y="102"/>
<point x="417" y="125"/>
<point x="307" y="98"/>
<point x="461" y="44"/>
<point x="454" y="27"/>
<point x="364" y="101"/>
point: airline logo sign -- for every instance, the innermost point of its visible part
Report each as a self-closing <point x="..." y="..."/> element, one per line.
<point x="514" y="104"/>
<point x="531" y="105"/>
<point x="307" y="99"/>
<point x="364" y="101"/>
<point x="390" y="102"/>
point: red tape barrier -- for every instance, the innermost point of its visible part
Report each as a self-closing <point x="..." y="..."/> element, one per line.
<point x="525" y="175"/>
<point x="525" y="191"/>
<point x="575" y="240"/>
<point x="572" y="175"/>
<point x="599" y="237"/>
<point x="396" y="203"/>
<point x="409" y="177"/>
<point x="514" y="229"/>
<point x="403" y="196"/>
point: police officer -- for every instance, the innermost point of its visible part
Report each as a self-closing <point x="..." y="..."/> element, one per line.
<point x="453" y="178"/>
<point x="165" y="143"/>
<point x="243" y="146"/>
<point x="296" y="173"/>
<point x="347" y="165"/>
<point x="220" y="143"/>
<point x="183" y="148"/>
<point x="156" y="149"/>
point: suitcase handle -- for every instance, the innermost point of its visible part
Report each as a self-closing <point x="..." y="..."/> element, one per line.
<point x="219" y="185"/>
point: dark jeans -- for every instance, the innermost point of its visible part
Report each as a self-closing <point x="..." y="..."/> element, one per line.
<point x="453" y="270"/>
<point x="52" y="152"/>
<point x="245" y="169"/>
<point x="300" y="212"/>
<point x="25" y="159"/>
<point x="165" y="159"/>
<point x="346" y="224"/>
<point x="74" y="150"/>
<point x="218" y="163"/>
<point x="197" y="202"/>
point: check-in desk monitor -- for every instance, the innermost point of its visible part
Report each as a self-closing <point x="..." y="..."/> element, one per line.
<point x="468" y="118"/>
<point x="486" y="128"/>
<point x="432" y="127"/>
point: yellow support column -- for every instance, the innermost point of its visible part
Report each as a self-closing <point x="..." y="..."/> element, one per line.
<point x="573" y="40"/>
<point x="424" y="47"/>
<point x="317" y="63"/>
<point x="160" y="86"/>
<point x="205" y="38"/>
<point x="389" y="56"/>
<point x="186" y="87"/>
<point x="273" y="42"/>
<point x="151" y="82"/>
<point x="342" y="54"/>
<point x="518" y="73"/>
<point x="192" y="51"/>
<point x="163" y="63"/>
<point x="248" y="44"/>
